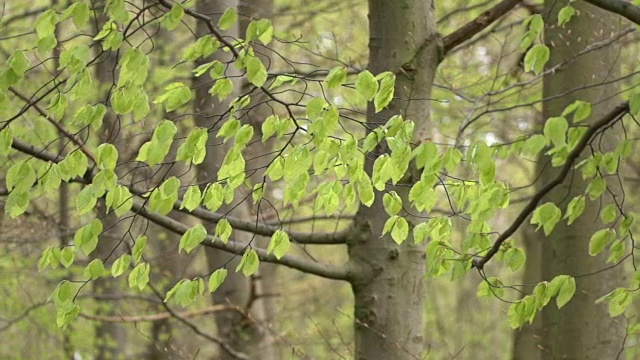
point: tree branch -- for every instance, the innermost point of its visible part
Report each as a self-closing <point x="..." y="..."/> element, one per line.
<point x="337" y="272"/>
<point x="259" y="228"/>
<point x="159" y="316"/>
<point x="614" y="114"/>
<point x="478" y="24"/>
<point x="623" y="8"/>
<point x="329" y="271"/>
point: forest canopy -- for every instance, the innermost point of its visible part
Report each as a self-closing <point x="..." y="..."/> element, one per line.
<point x="270" y="179"/>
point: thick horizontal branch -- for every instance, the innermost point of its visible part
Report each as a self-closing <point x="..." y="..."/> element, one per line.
<point x="258" y="228"/>
<point x="623" y="8"/>
<point x="159" y="316"/>
<point x="337" y="272"/>
<point x="478" y="24"/>
<point x="329" y="271"/>
<point x="614" y="114"/>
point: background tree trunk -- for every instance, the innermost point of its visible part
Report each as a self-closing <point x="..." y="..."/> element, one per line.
<point x="388" y="282"/>
<point x="582" y="329"/>
<point x="239" y="331"/>
<point x="111" y="337"/>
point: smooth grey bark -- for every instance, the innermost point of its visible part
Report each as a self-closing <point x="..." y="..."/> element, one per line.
<point x="263" y="304"/>
<point x="388" y="279"/>
<point x="582" y="329"/>
<point x="167" y="341"/>
<point x="111" y="338"/>
<point x="240" y="332"/>
<point x="527" y="339"/>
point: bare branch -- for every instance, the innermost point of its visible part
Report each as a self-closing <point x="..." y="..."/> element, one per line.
<point x="613" y="115"/>
<point x="623" y="8"/>
<point x="159" y="316"/>
<point x="337" y="272"/>
<point x="329" y="271"/>
<point x="478" y="24"/>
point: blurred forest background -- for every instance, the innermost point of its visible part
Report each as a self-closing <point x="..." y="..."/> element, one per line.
<point x="482" y="92"/>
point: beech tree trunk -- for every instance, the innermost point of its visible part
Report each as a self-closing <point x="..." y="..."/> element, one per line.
<point x="388" y="278"/>
<point x="582" y="329"/>
<point x="240" y="332"/>
<point x="111" y="338"/>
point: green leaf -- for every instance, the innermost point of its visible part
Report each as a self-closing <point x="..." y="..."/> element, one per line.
<point x="121" y="265"/>
<point x="229" y="129"/>
<point x="139" y="276"/>
<point x="213" y="197"/>
<point x="634" y="104"/>
<point x="564" y="286"/>
<point x="193" y="150"/>
<point x="86" y="200"/>
<point x="222" y="88"/>
<point x="192" y="198"/>
<point x="515" y="258"/>
<point x="619" y="300"/>
<point x="367" y="85"/>
<point x="228" y="18"/>
<point x="565" y="14"/>
<point x="260" y="29"/>
<point x="45" y="25"/>
<point x="491" y="287"/>
<point x="574" y="209"/>
<point x="600" y="239"/>
<point x="171" y="19"/>
<point x="176" y="95"/>
<point x="389" y="224"/>
<point x="67" y="255"/>
<point x="138" y="247"/>
<point x="249" y="263"/>
<point x="336" y="77"/>
<point x="546" y="216"/>
<point x="120" y="200"/>
<point x="107" y="156"/>
<point x="20" y="177"/>
<point x="86" y="238"/>
<point x="555" y="131"/>
<point x="81" y="13"/>
<point x="365" y="191"/>
<point x="192" y="238"/>
<point x="533" y="145"/>
<point x="6" y="139"/>
<point x="385" y="92"/>
<point x="243" y="136"/>
<point x="392" y="203"/>
<point x="421" y="232"/>
<point x="223" y="230"/>
<point x="256" y="72"/>
<point x="616" y="251"/>
<point x="216" y="279"/>
<point x="536" y="58"/>
<point x="400" y="230"/>
<point x="580" y="110"/>
<point x="19" y="63"/>
<point x="609" y="213"/>
<point x="279" y="244"/>
<point x="596" y="188"/>
<point x="94" y="270"/>
<point x="204" y="47"/>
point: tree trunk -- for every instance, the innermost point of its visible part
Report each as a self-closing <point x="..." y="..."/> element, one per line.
<point x="582" y="329"/>
<point x="262" y="307"/>
<point x="111" y="338"/>
<point x="527" y="339"/>
<point x="238" y="331"/>
<point x="388" y="278"/>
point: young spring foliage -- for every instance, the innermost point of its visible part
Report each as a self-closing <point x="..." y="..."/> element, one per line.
<point x="320" y="155"/>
